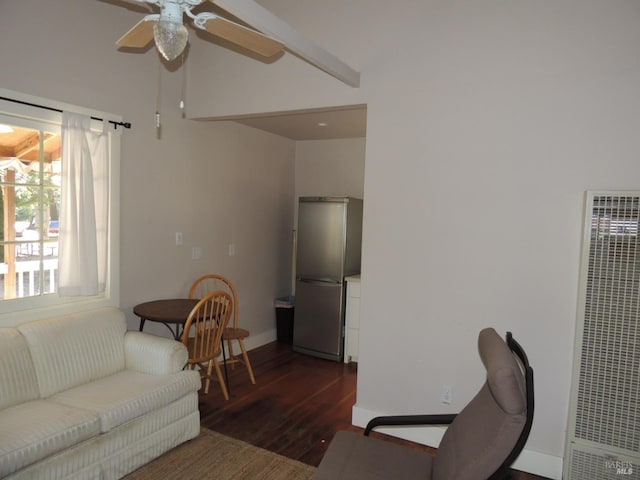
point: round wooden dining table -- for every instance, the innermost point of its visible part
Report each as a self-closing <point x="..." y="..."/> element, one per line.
<point x="169" y="312"/>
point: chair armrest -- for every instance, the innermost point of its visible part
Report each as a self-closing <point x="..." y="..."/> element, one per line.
<point x="152" y="354"/>
<point x="398" y="420"/>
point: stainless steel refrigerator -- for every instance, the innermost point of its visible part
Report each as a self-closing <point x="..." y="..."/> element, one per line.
<point x="329" y="238"/>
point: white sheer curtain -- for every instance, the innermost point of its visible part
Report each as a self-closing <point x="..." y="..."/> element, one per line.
<point x="82" y="242"/>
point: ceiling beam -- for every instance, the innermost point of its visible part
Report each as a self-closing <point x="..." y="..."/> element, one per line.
<point x="28" y="143"/>
<point x="263" y="20"/>
<point x="25" y="145"/>
<point x="52" y="150"/>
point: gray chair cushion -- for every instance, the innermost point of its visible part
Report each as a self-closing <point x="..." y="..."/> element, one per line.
<point x="474" y="446"/>
<point x="484" y="433"/>
<point x="480" y="439"/>
<point x="504" y="376"/>
<point x="356" y="457"/>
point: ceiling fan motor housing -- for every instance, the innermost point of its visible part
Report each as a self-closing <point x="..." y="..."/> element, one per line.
<point x="170" y="34"/>
<point x="172" y="11"/>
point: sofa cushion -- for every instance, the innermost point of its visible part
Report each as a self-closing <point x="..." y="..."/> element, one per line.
<point x="17" y="373"/>
<point x="126" y="395"/>
<point x="74" y="349"/>
<point x="34" y="430"/>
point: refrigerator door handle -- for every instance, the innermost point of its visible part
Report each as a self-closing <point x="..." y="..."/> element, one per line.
<point x="319" y="281"/>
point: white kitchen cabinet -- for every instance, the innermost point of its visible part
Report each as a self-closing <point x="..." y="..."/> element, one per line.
<point x="352" y="319"/>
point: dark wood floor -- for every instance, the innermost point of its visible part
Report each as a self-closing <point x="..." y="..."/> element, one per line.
<point x="295" y="408"/>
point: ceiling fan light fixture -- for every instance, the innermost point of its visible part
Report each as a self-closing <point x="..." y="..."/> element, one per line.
<point x="170" y="37"/>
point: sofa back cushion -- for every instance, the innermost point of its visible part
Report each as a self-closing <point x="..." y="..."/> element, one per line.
<point x="18" y="381"/>
<point x="74" y="349"/>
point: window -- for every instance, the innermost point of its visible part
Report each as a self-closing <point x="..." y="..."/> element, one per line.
<point x="29" y="207"/>
<point x="30" y="184"/>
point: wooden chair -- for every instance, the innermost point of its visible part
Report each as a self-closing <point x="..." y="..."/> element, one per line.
<point x="202" y="335"/>
<point x="214" y="281"/>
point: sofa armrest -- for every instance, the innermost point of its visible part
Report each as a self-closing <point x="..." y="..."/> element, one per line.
<point x="152" y="354"/>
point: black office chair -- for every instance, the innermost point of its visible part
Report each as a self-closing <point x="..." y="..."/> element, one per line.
<point x="481" y="442"/>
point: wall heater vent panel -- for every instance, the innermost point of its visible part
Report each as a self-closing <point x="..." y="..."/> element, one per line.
<point x="588" y="463"/>
<point x="606" y="382"/>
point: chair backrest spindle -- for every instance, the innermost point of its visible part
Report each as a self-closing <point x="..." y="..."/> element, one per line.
<point x="212" y="282"/>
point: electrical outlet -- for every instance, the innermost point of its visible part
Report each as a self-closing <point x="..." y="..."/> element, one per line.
<point x="447" y="394"/>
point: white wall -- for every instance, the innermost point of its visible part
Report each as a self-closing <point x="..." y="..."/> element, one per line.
<point x="330" y="168"/>
<point x="218" y="183"/>
<point x="486" y="122"/>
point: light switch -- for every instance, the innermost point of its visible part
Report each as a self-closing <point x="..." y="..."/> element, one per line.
<point x="196" y="253"/>
<point x="178" y="238"/>
<point x="232" y="249"/>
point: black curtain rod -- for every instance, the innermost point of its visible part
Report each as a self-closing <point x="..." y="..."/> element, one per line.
<point x="113" y="122"/>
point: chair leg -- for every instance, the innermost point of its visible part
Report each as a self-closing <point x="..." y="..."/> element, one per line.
<point x="208" y="381"/>
<point x="232" y="357"/>
<point x="223" y="385"/>
<point x="247" y="363"/>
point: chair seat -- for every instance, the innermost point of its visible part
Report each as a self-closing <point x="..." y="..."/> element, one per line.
<point x="231" y="333"/>
<point x="356" y="457"/>
<point x="190" y="348"/>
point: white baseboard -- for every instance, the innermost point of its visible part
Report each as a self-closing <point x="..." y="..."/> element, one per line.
<point x="529" y="461"/>
<point x="255" y="341"/>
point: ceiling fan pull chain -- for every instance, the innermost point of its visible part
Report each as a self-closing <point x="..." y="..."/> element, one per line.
<point x="159" y="96"/>
<point x="184" y="82"/>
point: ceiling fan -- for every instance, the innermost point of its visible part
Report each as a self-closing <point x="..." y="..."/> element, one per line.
<point x="170" y="34"/>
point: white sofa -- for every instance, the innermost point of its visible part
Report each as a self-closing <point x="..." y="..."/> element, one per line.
<point x="83" y="398"/>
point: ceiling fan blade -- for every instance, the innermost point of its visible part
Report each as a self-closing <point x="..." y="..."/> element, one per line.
<point x="243" y="36"/>
<point x="254" y="14"/>
<point x="139" y="36"/>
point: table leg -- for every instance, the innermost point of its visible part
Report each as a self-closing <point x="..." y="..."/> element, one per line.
<point x="224" y="361"/>
<point x="176" y="333"/>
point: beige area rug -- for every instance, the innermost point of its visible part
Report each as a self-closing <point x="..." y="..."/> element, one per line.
<point x="215" y="456"/>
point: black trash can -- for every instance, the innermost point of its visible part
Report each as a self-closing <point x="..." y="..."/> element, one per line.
<point x="285" y="307"/>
